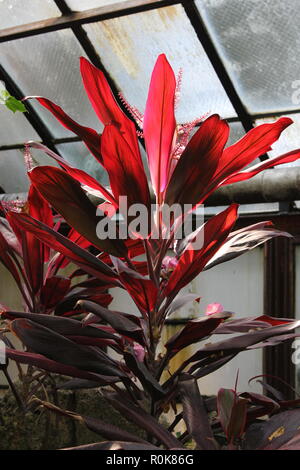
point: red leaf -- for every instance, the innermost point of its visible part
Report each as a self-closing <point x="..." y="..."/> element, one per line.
<point x="143" y="292"/>
<point x="219" y="167"/>
<point x="192" y="262"/>
<point x="159" y="122"/>
<point x="142" y="372"/>
<point x="135" y="248"/>
<point x="278" y="432"/>
<point x="35" y="253"/>
<point x="88" y="262"/>
<point x="142" y="419"/>
<point x="88" y="135"/>
<point x="198" y="162"/>
<point x="121" y="322"/>
<point x="79" y="175"/>
<point x="252" y="171"/>
<point x="66" y="327"/>
<point x="126" y="172"/>
<point x="38" y="207"/>
<point x="54" y="290"/>
<point x="67" y="306"/>
<point x="105" y="105"/>
<point x="59" y="261"/>
<point x="68" y="199"/>
<point x="274" y="321"/>
<point x="242" y="153"/>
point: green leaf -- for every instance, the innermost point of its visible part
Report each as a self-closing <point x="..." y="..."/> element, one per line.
<point x="15" y="105"/>
<point x="11" y="102"/>
<point x="3" y="94"/>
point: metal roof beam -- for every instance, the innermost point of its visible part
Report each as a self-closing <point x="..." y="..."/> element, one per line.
<point x="277" y="185"/>
<point x="280" y="185"/>
<point x="123" y="8"/>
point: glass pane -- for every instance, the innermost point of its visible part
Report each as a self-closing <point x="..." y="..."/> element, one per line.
<point x="258" y="42"/>
<point x="16" y="12"/>
<point x="79" y="5"/>
<point x="13" y="177"/>
<point x="237" y="131"/>
<point x="41" y="158"/>
<point x="78" y="155"/>
<point x="14" y="128"/>
<point x="128" y="47"/>
<point x="289" y="139"/>
<point x="48" y="65"/>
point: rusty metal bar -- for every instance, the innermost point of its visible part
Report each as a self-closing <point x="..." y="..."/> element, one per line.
<point x="123" y="8"/>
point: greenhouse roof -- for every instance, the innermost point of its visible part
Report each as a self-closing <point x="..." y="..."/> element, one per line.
<point x="238" y="59"/>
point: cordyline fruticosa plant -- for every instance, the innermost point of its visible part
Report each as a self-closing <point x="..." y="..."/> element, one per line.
<point x="183" y="171"/>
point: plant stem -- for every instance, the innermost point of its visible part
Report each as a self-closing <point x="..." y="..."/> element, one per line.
<point x="150" y="264"/>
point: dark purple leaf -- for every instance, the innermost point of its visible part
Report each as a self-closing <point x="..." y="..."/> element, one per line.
<point x="194" y="331"/>
<point x="63" y="326"/>
<point x="239" y="343"/>
<point x="243" y="240"/>
<point x="144" y="375"/>
<point x="114" y="445"/>
<point x="275" y="432"/>
<point x="142" y="419"/>
<point x="44" y="363"/>
<point x="195" y="414"/>
<point x="77" y="384"/>
<point x="232" y="411"/>
<point x="98" y="426"/>
<point x="44" y="341"/>
<point x="121" y="322"/>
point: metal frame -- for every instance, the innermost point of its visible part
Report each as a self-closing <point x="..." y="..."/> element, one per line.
<point x="32" y="117"/>
<point x="279" y="301"/>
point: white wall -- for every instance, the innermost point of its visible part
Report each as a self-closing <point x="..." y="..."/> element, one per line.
<point x="10" y="297"/>
<point x="238" y="286"/>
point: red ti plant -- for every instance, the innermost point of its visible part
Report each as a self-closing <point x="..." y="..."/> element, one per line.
<point x="183" y="171"/>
